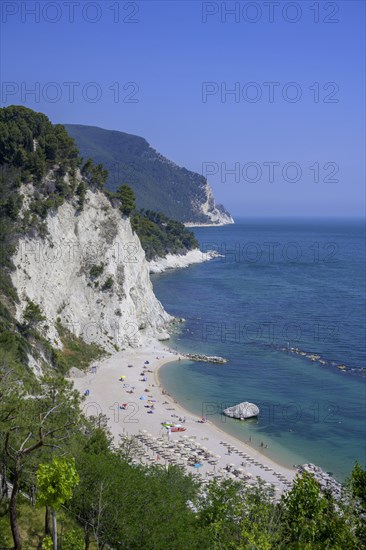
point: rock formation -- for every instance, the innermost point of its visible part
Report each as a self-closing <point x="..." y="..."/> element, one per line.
<point x="88" y="273"/>
<point x="242" y="411"/>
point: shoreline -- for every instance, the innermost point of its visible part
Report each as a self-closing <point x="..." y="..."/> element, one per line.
<point x="221" y="224"/>
<point x="140" y="389"/>
<point x="179" y="261"/>
<point x="249" y="448"/>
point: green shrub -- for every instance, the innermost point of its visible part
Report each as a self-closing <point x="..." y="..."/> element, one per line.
<point x="33" y="314"/>
<point x="81" y="193"/>
<point x="96" y="270"/>
<point x="73" y="540"/>
<point x="107" y="285"/>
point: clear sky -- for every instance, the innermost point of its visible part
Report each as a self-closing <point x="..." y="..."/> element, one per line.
<point x="292" y="131"/>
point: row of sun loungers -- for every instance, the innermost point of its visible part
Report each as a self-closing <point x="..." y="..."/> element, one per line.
<point x="187" y="452"/>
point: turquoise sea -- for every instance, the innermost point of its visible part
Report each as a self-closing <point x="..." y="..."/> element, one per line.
<point x="277" y="285"/>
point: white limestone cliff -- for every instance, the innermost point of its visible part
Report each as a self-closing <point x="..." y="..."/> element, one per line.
<point x="177" y="261"/>
<point x="216" y="214"/>
<point x="115" y="308"/>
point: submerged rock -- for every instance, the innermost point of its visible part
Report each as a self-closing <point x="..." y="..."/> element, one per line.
<point x="242" y="410"/>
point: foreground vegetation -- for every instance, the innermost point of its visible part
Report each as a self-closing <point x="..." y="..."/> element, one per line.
<point x="65" y="467"/>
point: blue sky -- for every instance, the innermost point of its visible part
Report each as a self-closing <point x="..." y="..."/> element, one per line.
<point x="161" y="69"/>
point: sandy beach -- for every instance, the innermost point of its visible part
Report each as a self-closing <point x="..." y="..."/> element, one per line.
<point x="130" y="379"/>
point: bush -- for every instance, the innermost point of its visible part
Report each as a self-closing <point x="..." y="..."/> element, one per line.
<point x="33" y="314"/>
<point x="108" y="284"/>
<point x="73" y="540"/>
<point x="96" y="270"/>
<point x="47" y="543"/>
<point x="81" y="193"/>
<point x="127" y="197"/>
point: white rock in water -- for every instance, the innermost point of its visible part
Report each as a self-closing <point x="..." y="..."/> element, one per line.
<point x="242" y="410"/>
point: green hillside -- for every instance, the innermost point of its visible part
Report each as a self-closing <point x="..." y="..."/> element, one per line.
<point x="158" y="183"/>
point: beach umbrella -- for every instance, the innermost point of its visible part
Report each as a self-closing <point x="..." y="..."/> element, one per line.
<point x="197" y="465"/>
<point x="142" y="398"/>
<point x="217" y="456"/>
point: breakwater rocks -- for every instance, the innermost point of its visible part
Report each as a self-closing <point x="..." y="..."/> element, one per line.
<point x="316" y="358"/>
<point x="325" y="480"/>
<point x="205" y="358"/>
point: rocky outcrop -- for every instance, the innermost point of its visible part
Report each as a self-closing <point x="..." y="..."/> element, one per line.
<point x="215" y="214"/>
<point x="325" y="480"/>
<point x="242" y="411"/>
<point x="89" y="273"/>
<point x="175" y="261"/>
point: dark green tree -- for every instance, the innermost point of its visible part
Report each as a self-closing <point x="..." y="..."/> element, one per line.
<point x="33" y="314"/>
<point x="127" y="197"/>
<point x="357" y="484"/>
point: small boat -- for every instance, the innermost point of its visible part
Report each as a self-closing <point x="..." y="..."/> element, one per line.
<point x="177" y="429"/>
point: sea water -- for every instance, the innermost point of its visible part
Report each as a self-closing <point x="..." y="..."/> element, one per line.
<point x="278" y="290"/>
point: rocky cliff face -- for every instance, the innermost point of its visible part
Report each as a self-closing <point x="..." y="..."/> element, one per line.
<point x="89" y="273"/>
<point x="216" y="213"/>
